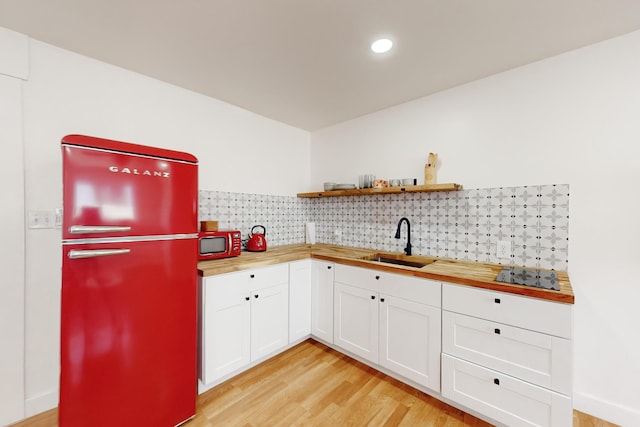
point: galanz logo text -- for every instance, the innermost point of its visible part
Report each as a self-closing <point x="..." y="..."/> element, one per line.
<point x="134" y="171"/>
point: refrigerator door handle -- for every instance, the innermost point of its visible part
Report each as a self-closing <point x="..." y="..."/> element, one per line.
<point x="84" y="229"/>
<point x="74" y="254"/>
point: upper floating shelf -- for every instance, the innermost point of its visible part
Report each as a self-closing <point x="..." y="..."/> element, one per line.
<point x="386" y="190"/>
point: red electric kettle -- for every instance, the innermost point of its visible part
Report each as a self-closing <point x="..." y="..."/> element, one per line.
<point x="257" y="241"/>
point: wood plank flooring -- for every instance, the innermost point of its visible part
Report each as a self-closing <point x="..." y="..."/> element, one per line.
<point x="313" y="385"/>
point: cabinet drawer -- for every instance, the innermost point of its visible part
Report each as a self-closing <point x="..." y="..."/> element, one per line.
<point x="268" y="276"/>
<point x="220" y="290"/>
<point x="538" y="358"/>
<point x="538" y="315"/>
<point x="503" y="398"/>
<point x="424" y="291"/>
<point x="363" y="278"/>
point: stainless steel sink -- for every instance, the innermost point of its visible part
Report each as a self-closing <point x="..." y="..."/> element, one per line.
<point x="399" y="262"/>
<point x="400" y="259"/>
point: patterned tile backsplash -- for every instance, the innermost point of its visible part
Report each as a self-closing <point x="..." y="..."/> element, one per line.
<point x="463" y="224"/>
<point x="284" y="217"/>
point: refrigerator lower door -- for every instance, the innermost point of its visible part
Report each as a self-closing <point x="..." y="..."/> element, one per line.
<point x="128" y="333"/>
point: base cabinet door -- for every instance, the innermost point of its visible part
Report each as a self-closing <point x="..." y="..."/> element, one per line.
<point x="502" y="397"/>
<point x="244" y="316"/>
<point x="410" y="340"/>
<point x="226" y="327"/>
<point x="322" y="300"/>
<point x="269" y="320"/>
<point x="356" y="321"/>
<point x="299" y="300"/>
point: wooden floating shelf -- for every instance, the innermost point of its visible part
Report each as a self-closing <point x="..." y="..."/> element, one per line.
<point x="386" y="190"/>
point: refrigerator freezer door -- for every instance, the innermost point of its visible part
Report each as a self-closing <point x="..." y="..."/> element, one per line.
<point x="114" y="194"/>
<point x="128" y="333"/>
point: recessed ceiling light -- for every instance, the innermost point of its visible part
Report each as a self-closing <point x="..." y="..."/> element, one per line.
<point x="381" y="45"/>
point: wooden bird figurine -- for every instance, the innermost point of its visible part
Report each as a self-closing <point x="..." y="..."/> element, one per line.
<point x="430" y="169"/>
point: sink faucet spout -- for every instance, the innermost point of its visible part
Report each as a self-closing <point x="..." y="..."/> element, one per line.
<point x="407" y="249"/>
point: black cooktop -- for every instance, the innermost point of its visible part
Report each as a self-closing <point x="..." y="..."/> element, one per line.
<point x="533" y="277"/>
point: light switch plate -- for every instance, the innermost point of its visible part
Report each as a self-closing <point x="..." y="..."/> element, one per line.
<point x="43" y="219"/>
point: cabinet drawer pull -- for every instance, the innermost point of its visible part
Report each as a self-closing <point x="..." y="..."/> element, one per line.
<point x="247" y="298"/>
<point x="497" y="331"/>
<point x="252" y="276"/>
<point x="496" y="300"/>
<point x="381" y="299"/>
<point x="377" y="277"/>
<point x="256" y="295"/>
<point x="328" y="267"/>
<point x="373" y="297"/>
<point x="496" y="381"/>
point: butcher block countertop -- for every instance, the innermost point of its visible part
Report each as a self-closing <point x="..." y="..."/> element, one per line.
<point x="468" y="273"/>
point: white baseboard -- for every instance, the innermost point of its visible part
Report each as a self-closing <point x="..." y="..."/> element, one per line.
<point x="40" y="403"/>
<point x="608" y="411"/>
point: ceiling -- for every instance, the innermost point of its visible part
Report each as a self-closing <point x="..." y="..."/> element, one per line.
<point x="307" y="63"/>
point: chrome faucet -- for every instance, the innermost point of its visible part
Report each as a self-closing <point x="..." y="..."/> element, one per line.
<point x="407" y="250"/>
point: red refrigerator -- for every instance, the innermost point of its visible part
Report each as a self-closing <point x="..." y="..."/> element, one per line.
<point x="128" y="315"/>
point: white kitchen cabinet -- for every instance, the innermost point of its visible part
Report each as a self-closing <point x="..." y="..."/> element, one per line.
<point x="299" y="300"/>
<point x="226" y="328"/>
<point x="269" y="320"/>
<point x="503" y="398"/>
<point x="506" y="356"/>
<point x="410" y="340"/>
<point x="356" y="321"/>
<point x="411" y="288"/>
<point x="391" y="320"/>
<point x="544" y="316"/>
<point x="531" y="356"/>
<point x="322" y="300"/>
<point x="244" y="318"/>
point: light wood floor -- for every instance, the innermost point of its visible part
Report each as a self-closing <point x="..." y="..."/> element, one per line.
<point x="313" y="385"/>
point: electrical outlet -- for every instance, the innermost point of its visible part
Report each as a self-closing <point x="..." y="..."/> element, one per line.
<point x="503" y="249"/>
<point x="337" y="234"/>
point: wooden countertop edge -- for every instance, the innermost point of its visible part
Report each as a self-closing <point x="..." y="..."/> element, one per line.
<point x="302" y="251"/>
<point x="476" y="283"/>
<point x="245" y="264"/>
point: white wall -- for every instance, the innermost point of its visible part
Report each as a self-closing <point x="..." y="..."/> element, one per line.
<point x="12" y="69"/>
<point x="568" y="119"/>
<point x="67" y="93"/>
